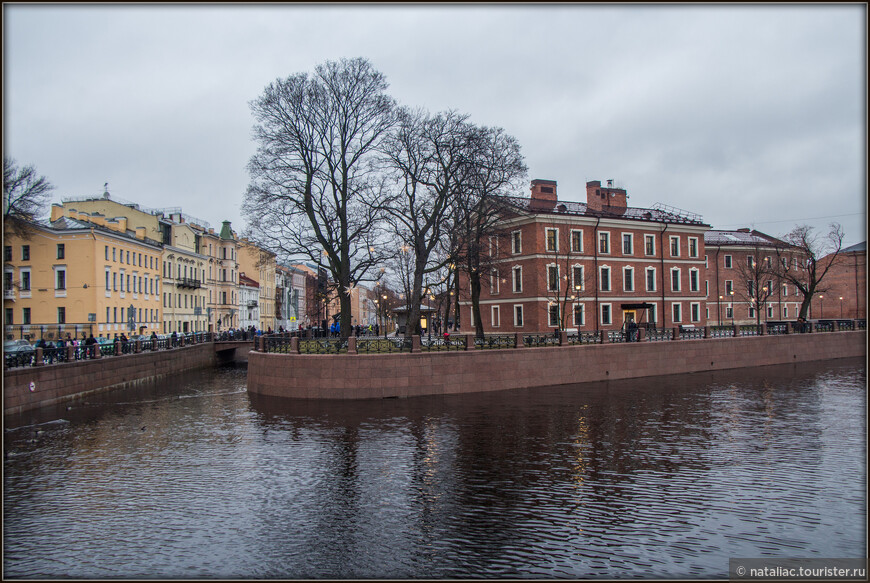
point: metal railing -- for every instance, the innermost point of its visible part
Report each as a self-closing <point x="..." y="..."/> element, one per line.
<point x="535" y="340"/>
<point x="383" y="344"/>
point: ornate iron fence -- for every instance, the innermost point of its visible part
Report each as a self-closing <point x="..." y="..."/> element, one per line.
<point x="749" y="330"/>
<point x="323" y="346"/>
<point x="495" y="341"/>
<point x="379" y="345"/>
<point x="535" y="340"/>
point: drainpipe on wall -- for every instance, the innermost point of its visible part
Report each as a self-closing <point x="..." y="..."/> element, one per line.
<point x="662" y="251"/>
<point x="718" y="290"/>
<point x="595" y="247"/>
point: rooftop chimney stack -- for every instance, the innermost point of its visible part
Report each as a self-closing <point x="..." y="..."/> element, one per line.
<point x="610" y="199"/>
<point x="543" y="195"/>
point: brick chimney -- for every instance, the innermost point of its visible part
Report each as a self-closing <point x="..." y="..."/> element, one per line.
<point x="543" y="195"/>
<point x="607" y="199"/>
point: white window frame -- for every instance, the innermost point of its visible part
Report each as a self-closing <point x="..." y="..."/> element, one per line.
<point x="26" y="292"/>
<point x="694" y="250"/>
<point x="574" y="282"/>
<point x="517" y="279"/>
<point x="603" y="236"/>
<point x="518" y="310"/>
<point x="647" y="272"/>
<point x="516" y="242"/>
<point x="785" y="311"/>
<point x="694" y="280"/>
<point x="571" y="243"/>
<point x="630" y="243"/>
<point x="108" y="293"/>
<point x="628" y="277"/>
<point x="555" y="232"/>
<point x="649" y="239"/>
<point x="550" y="307"/>
<point x="582" y="307"/>
<point x="494" y="287"/>
<point x="676" y="312"/>
<point x="679" y="280"/>
<point x="695" y="312"/>
<point x="601" y="270"/>
<point x="729" y="287"/>
<point x="671" y="240"/>
<point x="496" y="319"/>
<point x="728" y="262"/>
<point x="58" y="291"/>
<point x="608" y="308"/>
<point x="550" y="281"/>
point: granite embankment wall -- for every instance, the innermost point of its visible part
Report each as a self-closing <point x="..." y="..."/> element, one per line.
<point x="29" y="388"/>
<point x="371" y="376"/>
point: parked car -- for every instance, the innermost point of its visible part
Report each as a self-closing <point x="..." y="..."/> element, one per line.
<point x="19" y="345"/>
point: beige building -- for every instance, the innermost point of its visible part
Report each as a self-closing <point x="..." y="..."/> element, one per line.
<point x="221" y="251"/>
<point x="260" y="265"/>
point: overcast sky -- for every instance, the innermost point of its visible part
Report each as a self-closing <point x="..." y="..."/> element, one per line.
<point x="751" y="116"/>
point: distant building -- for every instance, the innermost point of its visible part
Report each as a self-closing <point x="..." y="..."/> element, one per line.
<point x="249" y="299"/>
<point x="845" y="295"/>
<point x="596" y="265"/>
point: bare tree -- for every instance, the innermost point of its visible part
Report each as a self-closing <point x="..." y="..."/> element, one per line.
<point x="25" y="195"/>
<point x="566" y="279"/>
<point x="428" y="156"/>
<point x="314" y="188"/>
<point x="496" y="166"/>
<point x="758" y="280"/>
<point x="806" y="259"/>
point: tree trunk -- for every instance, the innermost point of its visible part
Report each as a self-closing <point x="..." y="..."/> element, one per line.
<point x="474" y="285"/>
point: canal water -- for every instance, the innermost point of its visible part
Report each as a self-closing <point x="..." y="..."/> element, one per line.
<point x="655" y="478"/>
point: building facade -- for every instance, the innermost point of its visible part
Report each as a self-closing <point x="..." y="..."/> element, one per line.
<point x="260" y="265"/>
<point x="742" y="279"/>
<point x="845" y="295"/>
<point x="290" y="294"/>
<point x="591" y="266"/>
<point x="78" y="275"/>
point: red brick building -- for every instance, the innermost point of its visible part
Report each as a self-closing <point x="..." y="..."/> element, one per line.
<point x="591" y="266"/>
<point x="846" y="287"/>
<point x="743" y="287"/>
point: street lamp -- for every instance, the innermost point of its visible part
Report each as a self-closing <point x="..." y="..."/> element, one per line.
<point x="841" y="307"/>
<point x="731" y="304"/>
<point x="719" y="311"/>
<point x="821" y="307"/>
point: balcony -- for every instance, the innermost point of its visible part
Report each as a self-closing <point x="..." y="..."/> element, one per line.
<point x="187" y="282"/>
<point x="252" y="304"/>
<point x="8" y="294"/>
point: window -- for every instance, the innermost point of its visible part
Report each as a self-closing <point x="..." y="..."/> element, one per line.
<point x="750" y="261"/>
<point x="25" y="280"/>
<point x="114" y="281"/>
<point x="677" y="313"/>
<point x="553" y="278"/>
<point x="693" y="280"/>
<point x="627" y="244"/>
<point x="628" y="279"/>
<point x="605" y="278"/>
<point x="651" y="313"/>
<point x="606" y="314"/>
<point x="729" y="312"/>
<point x="122" y="281"/>
<point x="61" y="250"/>
<point x="25" y="316"/>
<point x="785" y="311"/>
<point x="107" y="252"/>
<point x="517" y="279"/>
<point x="649" y="244"/>
<point x="751" y="311"/>
<point x="493" y="282"/>
<point x="650" y="279"/>
<point x="784" y="289"/>
<point x="114" y="255"/>
<point x="9" y="316"/>
<point x="8" y="284"/>
<point x="579" y="317"/>
<point x="727" y="262"/>
<point x="25" y="253"/>
<point x="108" y="315"/>
<point x="61" y="315"/>
<point x="7" y="253"/>
<point x="706" y="264"/>
<point x="553" y="314"/>
<point x="604" y="242"/>
<point x="693" y="246"/>
<point x="577" y="241"/>
<point x="578" y="284"/>
<point x="518" y="316"/>
<point x="729" y="287"/>
<point x="675" y="246"/>
<point x="552" y="239"/>
<point x="60" y="278"/>
<point x="750" y="287"/>
<point x="128" y="258"/>
<point x="770" y="311"/>
<point x="695" y="312"/>
<point x="496" y="321"/>
<point x="675" y="279"/>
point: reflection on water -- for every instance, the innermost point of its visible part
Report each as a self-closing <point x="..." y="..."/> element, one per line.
<point x="663" y="477"/>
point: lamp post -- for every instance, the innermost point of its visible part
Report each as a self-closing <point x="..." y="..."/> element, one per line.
<point x="841" y="307"/>
<point x="731" y="303"/>
<point x="821" y="307"/>
<point x="719" y="311"/>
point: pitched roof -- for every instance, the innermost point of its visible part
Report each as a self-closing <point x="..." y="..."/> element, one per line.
<point x="740" y="237"/>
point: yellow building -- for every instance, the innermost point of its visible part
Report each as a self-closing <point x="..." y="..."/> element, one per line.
<point x="261" y="265"/>
<point x="78" y="275"/>
<point x="221" y="251"/>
